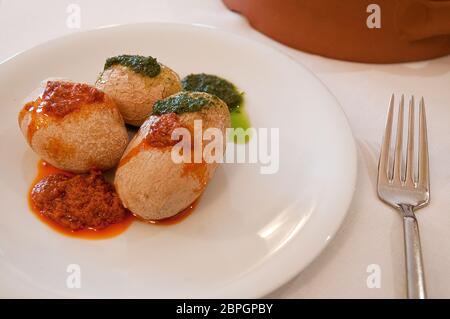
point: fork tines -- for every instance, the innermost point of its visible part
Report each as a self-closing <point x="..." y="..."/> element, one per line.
<point x="392" y="172"/>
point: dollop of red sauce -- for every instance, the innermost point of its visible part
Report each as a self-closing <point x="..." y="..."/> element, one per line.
<point x="45" y="173"/>
<point x="159" y="135"/>
<point x="160" y="131"/>
<point x="59" y="99"/>
<point x="78" y="202"/>
<point x="82" y="206"/>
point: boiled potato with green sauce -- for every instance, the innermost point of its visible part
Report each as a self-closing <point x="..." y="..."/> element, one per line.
<point x="135" y="83"/>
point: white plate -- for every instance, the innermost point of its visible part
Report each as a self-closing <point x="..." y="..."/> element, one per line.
<point x="250" y="233"/>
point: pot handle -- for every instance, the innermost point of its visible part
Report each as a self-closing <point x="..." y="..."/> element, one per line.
<point x="421" y="19"/>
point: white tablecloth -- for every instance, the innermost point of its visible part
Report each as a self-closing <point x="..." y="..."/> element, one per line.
<point x="371" y="233"/>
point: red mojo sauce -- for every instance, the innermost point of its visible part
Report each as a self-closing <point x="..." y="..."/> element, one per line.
<point x="58" y="99"/>
<point x="61" y="98"/>
<point x="47" y="171"/>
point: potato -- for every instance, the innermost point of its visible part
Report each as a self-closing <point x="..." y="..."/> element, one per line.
<point x="135" y="92"/>
<point x="149" y="183"/>
<point x="74" y="127"/>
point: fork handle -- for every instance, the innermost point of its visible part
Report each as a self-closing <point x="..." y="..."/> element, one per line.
<point x="413" y="254"/>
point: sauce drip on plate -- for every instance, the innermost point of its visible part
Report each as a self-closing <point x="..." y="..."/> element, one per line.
<point x="174" y="219"/>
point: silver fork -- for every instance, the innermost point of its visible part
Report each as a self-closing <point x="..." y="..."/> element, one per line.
<point x="403" y="191"/>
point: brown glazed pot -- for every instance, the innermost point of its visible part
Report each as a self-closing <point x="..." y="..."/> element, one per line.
<point x="409" y="30"/>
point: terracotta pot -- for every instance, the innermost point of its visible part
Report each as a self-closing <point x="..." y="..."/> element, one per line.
<point x="355" y="30"/>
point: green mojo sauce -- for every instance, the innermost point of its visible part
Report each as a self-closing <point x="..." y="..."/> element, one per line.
<point x="147" y="66"/>
<point x="180" y="103"/>
<point x="227" y="92"/>
<point x="214" y="85"/>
